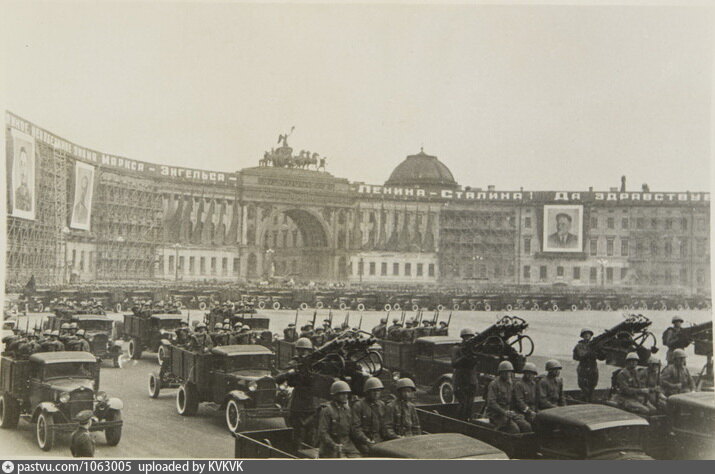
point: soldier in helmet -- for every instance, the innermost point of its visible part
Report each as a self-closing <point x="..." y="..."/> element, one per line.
<point x="329" y="333"/>
<point x="500" y="398"/>
<point x="307" y="331"/>
<point x="74" y="327"/>
<point x="218" y="336"/>
<point x="380" y="331"/>
<point x="465" y="375"/>
<point x="676" y="377"/>
<point x="26" y="349"/>
<point x="245" y="336"/>
<point x="587" y="369"/>
<point x="318" y="338"/>
<point x="651" y="380"/>
<point x="442" y="329"/>
<point x="630" y="392"/>
<point x="400" y="414"/>
<point x="336" y="429"/>
<point x="82" y="444"/>
<point x="394" y="329"/>
<point x="525" y="392"/>
<point x="200" y="340"/>
<point x="369" y="416"/>
<point x="301" y="410"/>
<point x="289" y="333"/>
<point x="64" y="333"/>
<point x="56" y="344"/>
<point x="81" y="342"/>
<point x="672" y="338"/>
<point x="236" y="333"/>
<point x="550" y="389"/>
<point x="182" y="334"/>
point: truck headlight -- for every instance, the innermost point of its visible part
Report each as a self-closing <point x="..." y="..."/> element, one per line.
<point x="64" y="397"/>
<point x="101" y="397"/>
<point x="252" y="386"/>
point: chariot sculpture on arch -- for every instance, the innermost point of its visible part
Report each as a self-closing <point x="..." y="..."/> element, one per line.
<point x="282" y="157"/>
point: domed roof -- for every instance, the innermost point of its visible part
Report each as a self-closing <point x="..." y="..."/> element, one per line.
<point x="421" y="170"/>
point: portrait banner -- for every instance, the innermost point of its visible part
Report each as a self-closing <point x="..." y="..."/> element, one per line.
<point x="23" y="175"/>
<point x="83" y="189"/>
<point x="563" y="228"/>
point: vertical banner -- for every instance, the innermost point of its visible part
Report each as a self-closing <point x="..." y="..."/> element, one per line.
<point x="563" y="228"/>
<point x="83" y="188"/>
<point x="23" y="175"/>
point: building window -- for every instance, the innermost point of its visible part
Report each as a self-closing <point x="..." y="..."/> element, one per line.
<point x="81" y="261"/>
<point x="640" y="223"/>
<point x="202" y="265"/>
<point x="639" y="248"/>
<point x="408" y="269"/>
<point x="235" y="265"/>
<point x="683" y="248"/>
<point x="192" y="265"/>
<point x="171" y="263"/>
<point x="527" y="245"/>
<point x="594" y="222"/>
<point x="609" y="274"/>
<point x="624" y="223"/>
<point x="542" y="272"/>
<point x="654" y="223"/>
<point x="624" y="247"/>
<point x="213" y="265"/>
<point x="669" y="223"/>
<point x="576" y="273"/>
<point x="224" y="265"/>
<point x="684" y="223"/>
<point x="361" y="270"/>
<point x="654" y="248"/>
<point x="611" y="222"/>
<point x="594" y="246"/>
<point x="592" y="274"/>
<point x="181" y="264"/>
<point x="372" y="268"/>
<point x="527" y="272"/>
<point x="624" y="273"/>
<point x="430" y="269"/>
<point x="668" y="248"/>
<point x="609" y="247"/>
<point x="527" y="222"/>
<point x="560" y="271"/>
<point x="395" y="268"/>
<point x="419" y="269"/>
<point x="383" y="269"/>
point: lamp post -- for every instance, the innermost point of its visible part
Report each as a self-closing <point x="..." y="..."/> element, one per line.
<point x="603" y="262"/>
<point x="176" y="261"/>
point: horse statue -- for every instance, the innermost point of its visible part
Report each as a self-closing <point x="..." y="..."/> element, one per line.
<point x="323" y="160"/>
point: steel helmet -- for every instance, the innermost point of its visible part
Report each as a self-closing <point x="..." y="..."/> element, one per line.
<point x="405" y="383"/>
<point x="530" y="367"/>
<point x="653" y="360"/>
<point x="55" y="332"/>
<point x="466" y="332"/>
<point x="632" y="356"/>
<point x="246" y="328"/>
<point x="339" y="387"/>
<point x="65" y="326"/>
<point x="585" y="330"/>
<point x="227" y="326"/>
<point x="227" y="321"/>
<point x="373" y="383"/>
<point x="303" y="343"/>
<point x="237" y="325"/>
<point x="395" y="320"/>
<point x="80" y="332"/>
<point x="383" y="320"/>
<point x="505" y="366"/>
<point x="46" y="332"/>
<point x="678" y="353"/>
<point x="218" y="326"/>
<point x="677" y="318"/>
<point x="201" y="325"/>
<point x="73" y="326"/>
<point x="553" y="364"/>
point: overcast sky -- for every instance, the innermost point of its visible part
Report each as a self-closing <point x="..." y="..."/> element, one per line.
<point x="551" y="97"/>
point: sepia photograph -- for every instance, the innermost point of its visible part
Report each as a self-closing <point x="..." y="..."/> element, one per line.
<point x="396" y="231"/>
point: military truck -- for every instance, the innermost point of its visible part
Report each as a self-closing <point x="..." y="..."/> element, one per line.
<point x="691" y="418"/>
<point x="572" y="432"/>
<point x="99" y="332"/>
<point x="50" y="389"/>
<point x="277" y="443"/>
<point x="236" y="379"/>
<point x="147" y="332"/>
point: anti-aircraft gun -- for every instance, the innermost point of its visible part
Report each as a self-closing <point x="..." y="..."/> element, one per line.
<point x="630" y="335"/>
<point x="701" y="336"/>
<point x="503" y="340"/>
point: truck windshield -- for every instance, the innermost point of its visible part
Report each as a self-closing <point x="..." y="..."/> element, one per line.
<point x="620" y="438"/>
<point x="8" y="325"/>
<point x="69" y="369"/>
<point x="245" y="362"/>
<point x="96" y="325"/>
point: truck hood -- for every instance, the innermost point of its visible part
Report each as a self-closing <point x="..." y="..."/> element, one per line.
<point x="69" y="385"/>
<point x="250" y="374"/>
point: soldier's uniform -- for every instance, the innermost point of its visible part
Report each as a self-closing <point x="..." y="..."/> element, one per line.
<point x="393" y="331"/>
<point x="550" y="392"/>
<point x="290" y="334"/>
<point x="183" y="336"/>
<point x="525" y="397"/>
<point x="380" y="331"/>
<point x="675" y="379"/>
<point x="465" y="381"/>
<point x="587" y="369"/>
<point x="628" y="386"/>
<point x="401" y="420"/>
<point x="82" y="444"/>
<point x="336" y="426"/>
<point x="201" y="342"/>
<point x="301" y="410"/>
<point x="26" y="349"/>
<point x="673" y="341"/>
<point x="442" y="330"/>
<point x="83" y="345"/>
<point x="651" y="380"/>
<point x="368" y="418"/>
<point x="500" y="400"/>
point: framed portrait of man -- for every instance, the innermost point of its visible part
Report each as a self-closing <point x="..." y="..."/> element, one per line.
<point x="563" y="228"/>
<point x="23" y="175"/>
<point x="82" y="203"/>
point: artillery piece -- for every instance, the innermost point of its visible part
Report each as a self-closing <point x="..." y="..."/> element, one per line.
<point x="503" y="340"/>
<point x="630" y="335"/>
<point x="701" y="335"/>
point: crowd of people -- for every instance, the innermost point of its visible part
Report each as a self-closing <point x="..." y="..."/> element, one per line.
<point x="23" y="343"/>
<point x="200" y="339"/>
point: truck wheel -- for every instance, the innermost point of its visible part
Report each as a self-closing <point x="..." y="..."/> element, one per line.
<point x="161" y="354"/>
<point x="440" y="307"/>
<point x="487" y="307"/>
<point x="276" y="305"/>
<point x="446" y="391"/>
<point x="118" y="308"/>
<point x="187" y="400"/>
<point x="387" y="307"/>
<point x="9" y="412"/>
<point x="509" y="307"/>
<point x="135" y="351"/>
<point x="396" y="306"/>
<point x="319" y="305"/>
<point x="303" y="306"/>
<point x="235" y="416"/>
<point x="361" y="307"/>
<point x="154" y="385"/>
<point x="45" y="433"/>
<point x="343" y="306"/>
<point x="202" y="306"/>
<point x="114" y="435"/>
<point x="261" y="304"/>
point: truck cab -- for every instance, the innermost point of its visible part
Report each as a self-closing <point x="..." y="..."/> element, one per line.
<point x="691" y="417"/>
